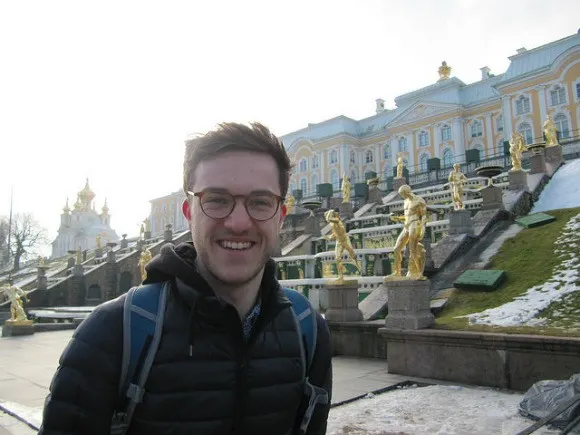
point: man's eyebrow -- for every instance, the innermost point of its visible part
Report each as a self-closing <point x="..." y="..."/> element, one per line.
<point x="224" y="190"/>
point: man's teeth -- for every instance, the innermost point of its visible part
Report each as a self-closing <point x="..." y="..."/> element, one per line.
<point x="235" y="245"/>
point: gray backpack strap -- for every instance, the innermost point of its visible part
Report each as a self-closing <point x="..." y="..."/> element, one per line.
<point x="143" y="315"/>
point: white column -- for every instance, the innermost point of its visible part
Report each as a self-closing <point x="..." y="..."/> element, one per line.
<point x="394" y="152"/>
<point x="412" y="147"/>
<point x="507" y="117"/>
<point x="459" y="140"/>
<point x="378" y="157"/>
<point x="437" y="141"/>
<point x="343" y="160"/>
<point x="543" y="106"/>
<point x="489" y="134"/>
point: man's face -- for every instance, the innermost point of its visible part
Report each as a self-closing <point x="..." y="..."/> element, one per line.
<point x="217" y="241"/>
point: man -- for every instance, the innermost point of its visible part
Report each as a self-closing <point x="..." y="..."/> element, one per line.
<point x="229" y="360"/>
<point x="456" y="181"/>
<point x="414" y="219"/>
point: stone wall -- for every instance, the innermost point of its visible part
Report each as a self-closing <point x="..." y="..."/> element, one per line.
<point x="360" y="339"/>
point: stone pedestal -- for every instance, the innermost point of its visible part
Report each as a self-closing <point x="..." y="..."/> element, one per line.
<point x="345" y="210"/>
<point x="460" y="222"/>
<point x="492" y="197"/>
<point x="311" y="226"/>
<point x="409" y="304"/>
<point x="343" y="302"/>
<point x="13" y="329"/>
<point x="537" y="164"/>
<point x="375" y="195"/>
<point x="518" y="180"/>
<point x="147" y="235"/>
<point x="398" y="182"/>
<point x="124" y="242"/>
<point x="554" y="154"/>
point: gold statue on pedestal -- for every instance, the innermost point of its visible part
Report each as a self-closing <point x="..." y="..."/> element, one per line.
<point x="400" y="166"/>
<point x="517" y="147"/>
<point x="98" y="241"/>
<point x="551" y="132"/>
<point x="345" y="189"/>
<point x="456" y="181"/>
<point x="444" y="71"/>
<point x="145" y="258"/>
<point x="338" y="233"/>
<point x="17" y="313"/>
<point x="414" y="220"/>
<point x="290" y="203"/>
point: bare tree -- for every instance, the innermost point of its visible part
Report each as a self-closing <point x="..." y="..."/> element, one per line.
<point x="4" y="251"/>
<point x="27" y="237"/>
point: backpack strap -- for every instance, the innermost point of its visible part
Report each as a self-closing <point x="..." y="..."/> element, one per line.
<point x="305" y="318"/>
<point x="143" y="315"/>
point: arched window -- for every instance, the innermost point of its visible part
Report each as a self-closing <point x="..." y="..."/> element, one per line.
<point x="558" y="95"/>
<point x="476" y="129"/>
<point x="386" y="151"/>
<point x="499" y="123"/>
<point x="447" y="158"/>
<point x="423" y="139"/>
<point x="303" y="186"/>
<point x="314" y="181"/>
<point x="402" y="144"/>
<point x="334" y="180"/>
<point x="369" y="156"/>
<point x="445" y="133"/>
<point x="423" y="162"/>
<point x="353" y="175"/>
<point x="315" y="161"/>
<point x="562" y="126"/>
<point x="333" y="157"/>
<point x="526" y="130"/>
<point x="522" y="105"/>
<point x="303" y="165"/>
<point x="353" y="157"/>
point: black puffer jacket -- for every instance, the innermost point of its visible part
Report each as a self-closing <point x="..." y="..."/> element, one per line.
<point x="205" y="379"/>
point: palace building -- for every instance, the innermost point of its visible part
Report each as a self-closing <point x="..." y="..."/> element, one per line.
<point x="445" y="120"/>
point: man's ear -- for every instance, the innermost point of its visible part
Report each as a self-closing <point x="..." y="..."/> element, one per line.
<point x="283" y="215"/>
<point x="186" y="209"/>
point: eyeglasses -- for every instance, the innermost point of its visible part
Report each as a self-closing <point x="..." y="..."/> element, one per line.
<point x="219" y="205"/>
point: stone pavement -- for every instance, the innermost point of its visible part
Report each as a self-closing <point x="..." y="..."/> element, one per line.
<point x="28" y="363"/>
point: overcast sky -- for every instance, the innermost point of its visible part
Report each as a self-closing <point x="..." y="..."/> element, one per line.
<point x="110" y="89"/>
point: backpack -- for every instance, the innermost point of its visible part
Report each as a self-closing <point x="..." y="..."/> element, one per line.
<point x="143" y="315"/>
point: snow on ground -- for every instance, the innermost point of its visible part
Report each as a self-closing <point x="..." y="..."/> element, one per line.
<point x="434" y="410"/>
<point x="523" y="309"/>
<point x="562" y="190"/>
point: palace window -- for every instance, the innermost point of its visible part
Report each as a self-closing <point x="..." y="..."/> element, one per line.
<point x="386" y="151"/>
<point x="353" y="157"/>
<point x="476" y="129"/>
<point x="334" y="179"/>
<point x="315" y="161"/>
<point x="562" y="126"/>
<point x="353" y="176"/>
<point x="578" y="90"/>
<point x="303" y="165"/>
<point x="369" y="157"/>
<point x="522" y="105"/>
<point x="526" y="130"/>
<point x="314" y="182"/>
<point x="402" y="144"/>
<point x="333" y="157"/>
<point x="499" y="123"/>
<point x="423" y="162"/>
<point x="558" y="95"/>
<point x="447" y="158"/>
<point x="303" y="186"/>
<point x="423" y="139"/>
<point x="445" y="133"/>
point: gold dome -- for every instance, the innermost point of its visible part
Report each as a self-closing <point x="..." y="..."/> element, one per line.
<point x="86" y="195"/>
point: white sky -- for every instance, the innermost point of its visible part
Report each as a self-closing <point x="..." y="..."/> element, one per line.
<point x="110" y="89"/>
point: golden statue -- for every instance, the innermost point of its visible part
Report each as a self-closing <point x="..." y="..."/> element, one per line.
<point x="142" y="231"/>
<point x="444" y="71"/>
<point x="345" y="189"/>
<point x="98" y="241"/>
<point x="551" y="132"/>
<point x="145" y="258"/>
<point x="79" y="256"/>
<point x="373" y="182"/>
<point x="456" y="180"/>
<point x="415" y="220"/>
<point x="17" y="313"/>
<point x="517" y="147"/>
<point x="338" y="233"/>
<point x="400" y="166"/>
<point x="290" y="203"/>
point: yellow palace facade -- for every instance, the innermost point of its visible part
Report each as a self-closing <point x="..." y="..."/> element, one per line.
<point x="445" y="120"/>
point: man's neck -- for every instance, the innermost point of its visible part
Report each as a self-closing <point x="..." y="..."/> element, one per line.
<point x="241" y="297"/>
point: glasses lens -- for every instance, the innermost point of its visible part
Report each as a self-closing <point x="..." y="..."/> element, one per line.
<point x="217" y="205"/>
<point x="262" y="207"/>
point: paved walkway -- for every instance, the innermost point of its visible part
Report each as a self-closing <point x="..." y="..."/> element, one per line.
<point x="27" y="365"/>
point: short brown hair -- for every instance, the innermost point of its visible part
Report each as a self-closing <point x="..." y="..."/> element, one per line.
<point x="232" y="136"/>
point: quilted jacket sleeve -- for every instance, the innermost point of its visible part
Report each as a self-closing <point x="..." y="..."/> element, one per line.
<point x="83" y="391"/>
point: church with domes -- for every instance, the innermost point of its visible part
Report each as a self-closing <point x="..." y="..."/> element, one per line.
<point x="82" y="227"/>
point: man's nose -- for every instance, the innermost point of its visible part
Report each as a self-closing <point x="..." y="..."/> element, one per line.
<point x="238" y="221"/>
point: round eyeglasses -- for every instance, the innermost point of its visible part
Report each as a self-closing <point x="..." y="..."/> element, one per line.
<point x="219" y="205"/>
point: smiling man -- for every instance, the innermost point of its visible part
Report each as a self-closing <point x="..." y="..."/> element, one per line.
<point x="230" y="359"/>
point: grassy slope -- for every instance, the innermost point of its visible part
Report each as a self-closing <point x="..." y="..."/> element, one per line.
<point x="528" y="260"/>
